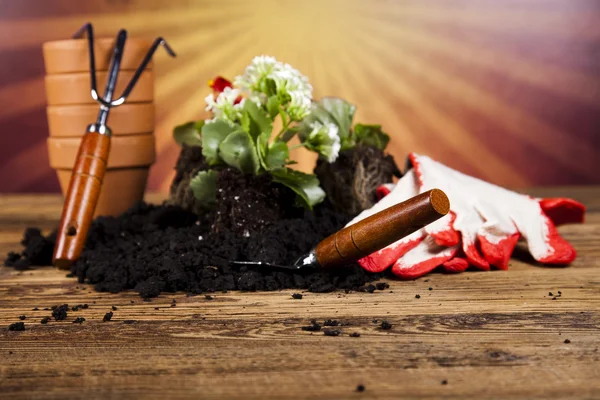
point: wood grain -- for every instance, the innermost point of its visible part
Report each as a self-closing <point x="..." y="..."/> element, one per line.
<point x="489" y="334"/>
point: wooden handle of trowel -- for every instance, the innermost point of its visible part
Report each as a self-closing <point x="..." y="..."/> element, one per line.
<point x="382" y="229"/>
<point x="81" y="198"/>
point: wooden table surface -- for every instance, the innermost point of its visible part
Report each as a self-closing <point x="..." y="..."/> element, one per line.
<point x="486" y="334"/>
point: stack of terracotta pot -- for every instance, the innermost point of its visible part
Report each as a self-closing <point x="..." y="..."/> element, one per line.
<point x="71" y="109"/>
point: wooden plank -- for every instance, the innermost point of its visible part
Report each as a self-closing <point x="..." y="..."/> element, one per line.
<point x="489" y="334"/>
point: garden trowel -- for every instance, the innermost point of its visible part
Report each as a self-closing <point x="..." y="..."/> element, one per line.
<point x="370" y="234"/>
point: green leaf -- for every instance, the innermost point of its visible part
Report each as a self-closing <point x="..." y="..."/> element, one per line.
<point x="255" y="120"/>
<point x="331" y="110"/>
<point x="277" y="155"/>
<point x="239" y="151"/>
<point x="189" y="133"/>
<point x="273" y="106"/>
<point x="271" y="87"/>
<point x="213" y="134"/>
<point x="290" y="133"/>
<point x="371" y="135"/>
<point x="306" y="186"/>
<point x="204" y="187"/>
<point x="262" y="149"/>
<point x="342" y="113"/>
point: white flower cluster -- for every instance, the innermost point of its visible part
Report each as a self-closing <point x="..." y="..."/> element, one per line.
<point x="291" y="87"/>
<point x="224" y="107"/>
<point x="325" y="139"/>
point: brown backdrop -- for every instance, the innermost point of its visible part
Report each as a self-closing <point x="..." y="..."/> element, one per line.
<point x="506" y="90"/>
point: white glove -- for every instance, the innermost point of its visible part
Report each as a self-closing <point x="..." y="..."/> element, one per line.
<point x="482" y="228"/>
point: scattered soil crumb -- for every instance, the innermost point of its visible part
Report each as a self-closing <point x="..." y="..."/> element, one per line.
<point x="331" y="322"/>
<point x="360" y="388"/>
<point x="22" y="317"/>
<point x="354" y="334"/>
<point x="332" y="332"/>
<point x="60" y="312"/>
<point x="313" y="327"/>
<point x="368" y="288"/>
<point x="17" y="326"/>
<point x="114" y="308"/>
<point x="45" y="320"/>
<point x="208" y="297"/>
<point x="79" y="320"/>
<point x="567" y="341"/>
<point x="445" y="382"/>
<point x="107" y="317"/>
<point x="418" y="296"/>
<point x="297" y="296"/>
<point x="386" y="325"/>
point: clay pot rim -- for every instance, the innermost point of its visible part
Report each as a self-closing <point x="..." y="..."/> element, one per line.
<point x="128" y="119"/>
<point x="76" y="44"/>
<point x="113" y="135"/>
<point x="74" y="87"/>
<point x="133" y="151"/>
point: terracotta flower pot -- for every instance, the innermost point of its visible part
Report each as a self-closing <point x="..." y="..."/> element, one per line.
<point x="65" y="56"/>
<point x="71" y="109"/>
<point x="72" y="120"/>
<point x="126" y="174"/>
<point x="74" y="88"/>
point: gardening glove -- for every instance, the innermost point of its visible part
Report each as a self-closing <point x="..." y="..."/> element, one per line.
<point x="482" y="228"/>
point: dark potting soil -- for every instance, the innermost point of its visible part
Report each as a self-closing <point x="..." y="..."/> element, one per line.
<point x="16" y="326"/>
<point x="153" y="249"/>
<point x="60" y="312"/>
<point x="37" y="250"/>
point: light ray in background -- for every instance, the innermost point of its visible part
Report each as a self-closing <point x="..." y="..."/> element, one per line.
<point x="559" y="145"/>
<point x="447" y="78"/>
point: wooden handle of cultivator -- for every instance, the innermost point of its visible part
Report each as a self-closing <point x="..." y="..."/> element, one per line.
<point x="81" y="199"/>
<point x="382" y="229"/>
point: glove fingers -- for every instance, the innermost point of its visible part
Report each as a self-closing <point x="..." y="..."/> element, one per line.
<point x="424" y="258"/>
<point x="443" y="231"/>
<point x="558" y="250"/>
<point x="498" y="236"/>
<point x="468" y="225"/>
<point x="456" y="265"/>
<point x="497" y="249"/>
<point x="382" y="259"/>
<point x="563" y="211"/>
<point x="543" y="240"/>
<point x="473" y="255"/>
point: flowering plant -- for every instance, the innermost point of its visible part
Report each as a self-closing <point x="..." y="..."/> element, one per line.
<point x="241" y="134"/>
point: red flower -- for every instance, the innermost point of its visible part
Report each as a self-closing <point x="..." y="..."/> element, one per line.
<point x="219" y="84"/>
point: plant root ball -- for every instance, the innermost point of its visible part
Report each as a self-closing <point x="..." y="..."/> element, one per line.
<point x="189" y="163"/>
<point x="351" y="181"/>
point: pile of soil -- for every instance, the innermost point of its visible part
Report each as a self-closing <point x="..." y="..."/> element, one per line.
<point x="153" y="249"/>
<point x="178" y="246"/>
<point x="244" y="203"/>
